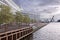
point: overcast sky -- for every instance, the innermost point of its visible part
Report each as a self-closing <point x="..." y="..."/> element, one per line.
<point x="46" y="8"/>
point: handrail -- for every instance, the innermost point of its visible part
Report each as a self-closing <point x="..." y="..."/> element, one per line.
<point x="19" y="33"/>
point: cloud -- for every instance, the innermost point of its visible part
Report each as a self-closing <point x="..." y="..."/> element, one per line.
<point x="45" y="7"/>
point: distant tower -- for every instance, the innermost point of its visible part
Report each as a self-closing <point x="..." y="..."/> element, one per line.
<point x="52" y="20"/>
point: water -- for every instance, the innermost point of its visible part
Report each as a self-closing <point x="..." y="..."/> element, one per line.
<point x="49" y="32"/>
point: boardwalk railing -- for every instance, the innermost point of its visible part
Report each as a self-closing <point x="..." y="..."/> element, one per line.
<point x="16" y="34"/>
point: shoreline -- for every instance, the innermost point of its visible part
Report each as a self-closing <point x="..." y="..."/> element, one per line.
<point x="36" y="29"/>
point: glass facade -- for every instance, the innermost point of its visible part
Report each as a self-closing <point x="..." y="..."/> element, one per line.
<point x="11" y="4"/>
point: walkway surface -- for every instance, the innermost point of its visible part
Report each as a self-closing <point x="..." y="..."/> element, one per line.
<point x="49" y="32"/>
<point x="10" y="27"/>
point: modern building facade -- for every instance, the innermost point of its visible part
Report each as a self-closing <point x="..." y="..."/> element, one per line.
<point x="11" y="3"/>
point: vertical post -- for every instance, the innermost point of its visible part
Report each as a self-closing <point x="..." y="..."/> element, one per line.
<point x="0" y="38"/>
<point x="19" y="34"/>
<point x="12" y="37"/>
<point x="16" y="35"/>
<point x="6" y="37"/>
<point x="6" y="27"/>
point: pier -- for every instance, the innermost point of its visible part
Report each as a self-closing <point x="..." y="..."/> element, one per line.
<point x="16" y="34"/>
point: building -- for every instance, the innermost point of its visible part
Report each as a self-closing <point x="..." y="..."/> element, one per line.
<point x="11" y="3"/>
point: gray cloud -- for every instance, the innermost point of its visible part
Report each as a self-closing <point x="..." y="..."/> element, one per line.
<point x="44" y="7"/>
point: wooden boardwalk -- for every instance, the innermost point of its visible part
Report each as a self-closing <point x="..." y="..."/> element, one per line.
<point x="14" y="31"/>
<point x="16" y="34"/>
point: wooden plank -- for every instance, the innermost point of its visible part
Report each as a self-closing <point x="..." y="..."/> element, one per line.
<point x="13" y="30"/>
<point x="3" y="38"/>
<point x="25" y="35"/>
